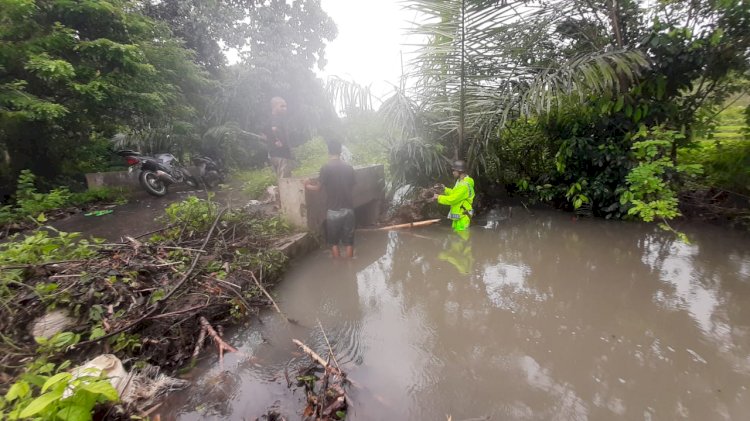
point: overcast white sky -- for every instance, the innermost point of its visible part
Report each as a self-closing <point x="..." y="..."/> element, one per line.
<point x="367" y="49"/>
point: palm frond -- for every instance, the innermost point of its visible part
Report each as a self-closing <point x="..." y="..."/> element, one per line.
<point x="483" y="62"/>
<point x="348" y="96"/>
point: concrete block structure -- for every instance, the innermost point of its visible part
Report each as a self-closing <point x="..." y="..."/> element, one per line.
<point x="123" y="179"/>
<point x="307" y="209"/>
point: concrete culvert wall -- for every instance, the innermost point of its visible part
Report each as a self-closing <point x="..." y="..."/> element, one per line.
<point x="307" y="209"/>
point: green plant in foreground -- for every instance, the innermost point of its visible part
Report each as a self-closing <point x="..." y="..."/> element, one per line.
<point x="39" y="247"/>
<point x="651" y="191"/>
<point x="32" y="203"/>
<point x="42" y="247"/>
<point x="42" y="395"/>
<point x="194" y="214"/>
<point x="47" y="391"/>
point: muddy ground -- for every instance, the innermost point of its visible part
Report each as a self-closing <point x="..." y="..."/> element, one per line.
<point x="141" y="214"/>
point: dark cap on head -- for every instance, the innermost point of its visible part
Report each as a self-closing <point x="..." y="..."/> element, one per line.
<point x="459" y="166"/>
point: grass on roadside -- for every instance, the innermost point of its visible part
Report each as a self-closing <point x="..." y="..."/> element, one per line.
<point x="30" y="203"/>
<point x="724" y="153"/>
<point x="255" y="182"/>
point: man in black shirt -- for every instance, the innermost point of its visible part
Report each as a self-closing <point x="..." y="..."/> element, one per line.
<point x="337" y="179"/>
<point x="276" y="135"/>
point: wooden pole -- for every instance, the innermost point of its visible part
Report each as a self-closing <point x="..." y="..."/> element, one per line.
<point x="403" y="226"/>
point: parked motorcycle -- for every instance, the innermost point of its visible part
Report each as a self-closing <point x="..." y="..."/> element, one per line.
<point x="210" y="171"/>
<point x="157" y="172"/>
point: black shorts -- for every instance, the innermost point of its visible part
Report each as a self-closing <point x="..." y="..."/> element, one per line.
<point x="340" y="227"/>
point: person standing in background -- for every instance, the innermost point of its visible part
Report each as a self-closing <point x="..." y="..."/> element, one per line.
<point x="276" y="135"/>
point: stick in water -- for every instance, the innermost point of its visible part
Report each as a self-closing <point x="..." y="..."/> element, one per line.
<point x="223" y="346"/>
<point x="402" y="226"/>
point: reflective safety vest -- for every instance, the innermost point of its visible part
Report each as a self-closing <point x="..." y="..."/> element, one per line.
<point x="460" y="198"/>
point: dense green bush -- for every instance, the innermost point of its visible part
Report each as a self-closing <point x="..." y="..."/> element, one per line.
<point x="192" y="215"/>
<point x="724" y="152"/>
<point x="521" y="153"/>
<point x="726" y="164"/>
<point x="653" y="182"/>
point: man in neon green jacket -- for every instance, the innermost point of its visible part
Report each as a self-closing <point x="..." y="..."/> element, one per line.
<point x="460" y="198"/>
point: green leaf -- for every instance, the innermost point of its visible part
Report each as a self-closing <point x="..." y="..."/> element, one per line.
<point x="19" y="390"/>
<point x="41" y="403"/>
<point x="103" y="387"/>
<point x="74" y="413"/>
<point x="57" y="378"/>
<point x="97" y="332"/>
<point x="620" y="102"/>
<point x="637" y="115"/>
<point x="661" y="87"/>
<point x="46" y="368"/>
<point x="35" y="379"/>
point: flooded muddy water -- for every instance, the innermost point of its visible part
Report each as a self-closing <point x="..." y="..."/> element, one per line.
<point x="533" y="317"/>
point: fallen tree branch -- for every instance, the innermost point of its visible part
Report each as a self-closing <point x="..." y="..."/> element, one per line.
<point x="135" y="243"/>
<point x="330" y="397"/>
<point x="171" y="292"/>
<point x="181" y="248"/>
<point x="317" y="357"/>
<point x="31" y="265"/>
<point x="330" y="349"/>
<point x="223" y="346"/>
<point x="252" y="275"/>
<point x="174" y="313"/>
<point x="154" y="231"/>
<point x="198" y="345"/>
<point x="234" y="288"/>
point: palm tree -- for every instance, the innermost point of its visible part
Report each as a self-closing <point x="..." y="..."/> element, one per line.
<point x="348" y="96"/>
<point x="483" y="62"/>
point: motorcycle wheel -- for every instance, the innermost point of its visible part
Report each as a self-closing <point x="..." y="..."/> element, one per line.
<point x="191" y="181"/>
<point x="211" y="179"/>
<point x="152" y="183"/>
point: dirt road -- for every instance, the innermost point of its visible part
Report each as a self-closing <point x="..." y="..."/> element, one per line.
<point x="140" y="215"/>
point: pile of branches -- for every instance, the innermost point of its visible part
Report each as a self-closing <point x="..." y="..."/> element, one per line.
<point x="415" y="207"/>
<point x="153" y="300"/>
<point x="326" y="398"/>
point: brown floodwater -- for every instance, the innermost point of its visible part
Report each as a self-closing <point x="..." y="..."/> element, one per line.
<point x="532" y="317"/>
